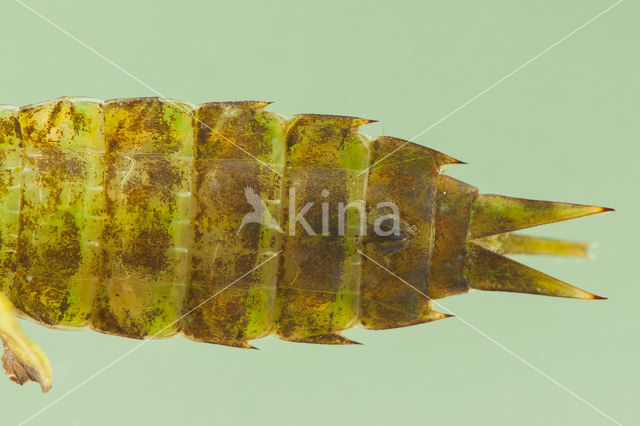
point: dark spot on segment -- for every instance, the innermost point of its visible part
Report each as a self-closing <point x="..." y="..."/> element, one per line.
<point x="148" y="246"/>
<point x="45" y="268"/>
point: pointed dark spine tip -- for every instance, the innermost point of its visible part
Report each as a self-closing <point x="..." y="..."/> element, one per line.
<point x="596" y="297"/>
<point x="448" y="316"/>
<point x="445" y="160"/>
<point x="607" y="209"/>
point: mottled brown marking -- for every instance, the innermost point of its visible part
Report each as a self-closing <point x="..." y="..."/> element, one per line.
<point x="223" y="251"/>
<point x="407" y="180"/>
<point x="453" y="203"/>
<point x="53" y="282"/>
<point x="318" y="281"/>
<point x="149" y="164"/>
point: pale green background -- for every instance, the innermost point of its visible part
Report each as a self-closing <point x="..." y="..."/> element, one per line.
<point x="563" y="128"/>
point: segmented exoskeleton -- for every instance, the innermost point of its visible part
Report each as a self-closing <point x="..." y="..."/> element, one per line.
<point x="148" y="217"/>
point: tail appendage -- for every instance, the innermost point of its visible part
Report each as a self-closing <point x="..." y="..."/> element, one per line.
<point x="493" y="217"/>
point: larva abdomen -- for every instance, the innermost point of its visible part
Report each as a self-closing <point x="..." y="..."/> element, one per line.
<point x="131" y="216"/>
<point x="225" y="222"/>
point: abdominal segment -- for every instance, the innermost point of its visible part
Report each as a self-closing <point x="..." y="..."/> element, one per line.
<point x="225" y="222"/>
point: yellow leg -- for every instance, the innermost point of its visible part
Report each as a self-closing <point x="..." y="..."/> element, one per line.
<point x="22" y="360"/>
